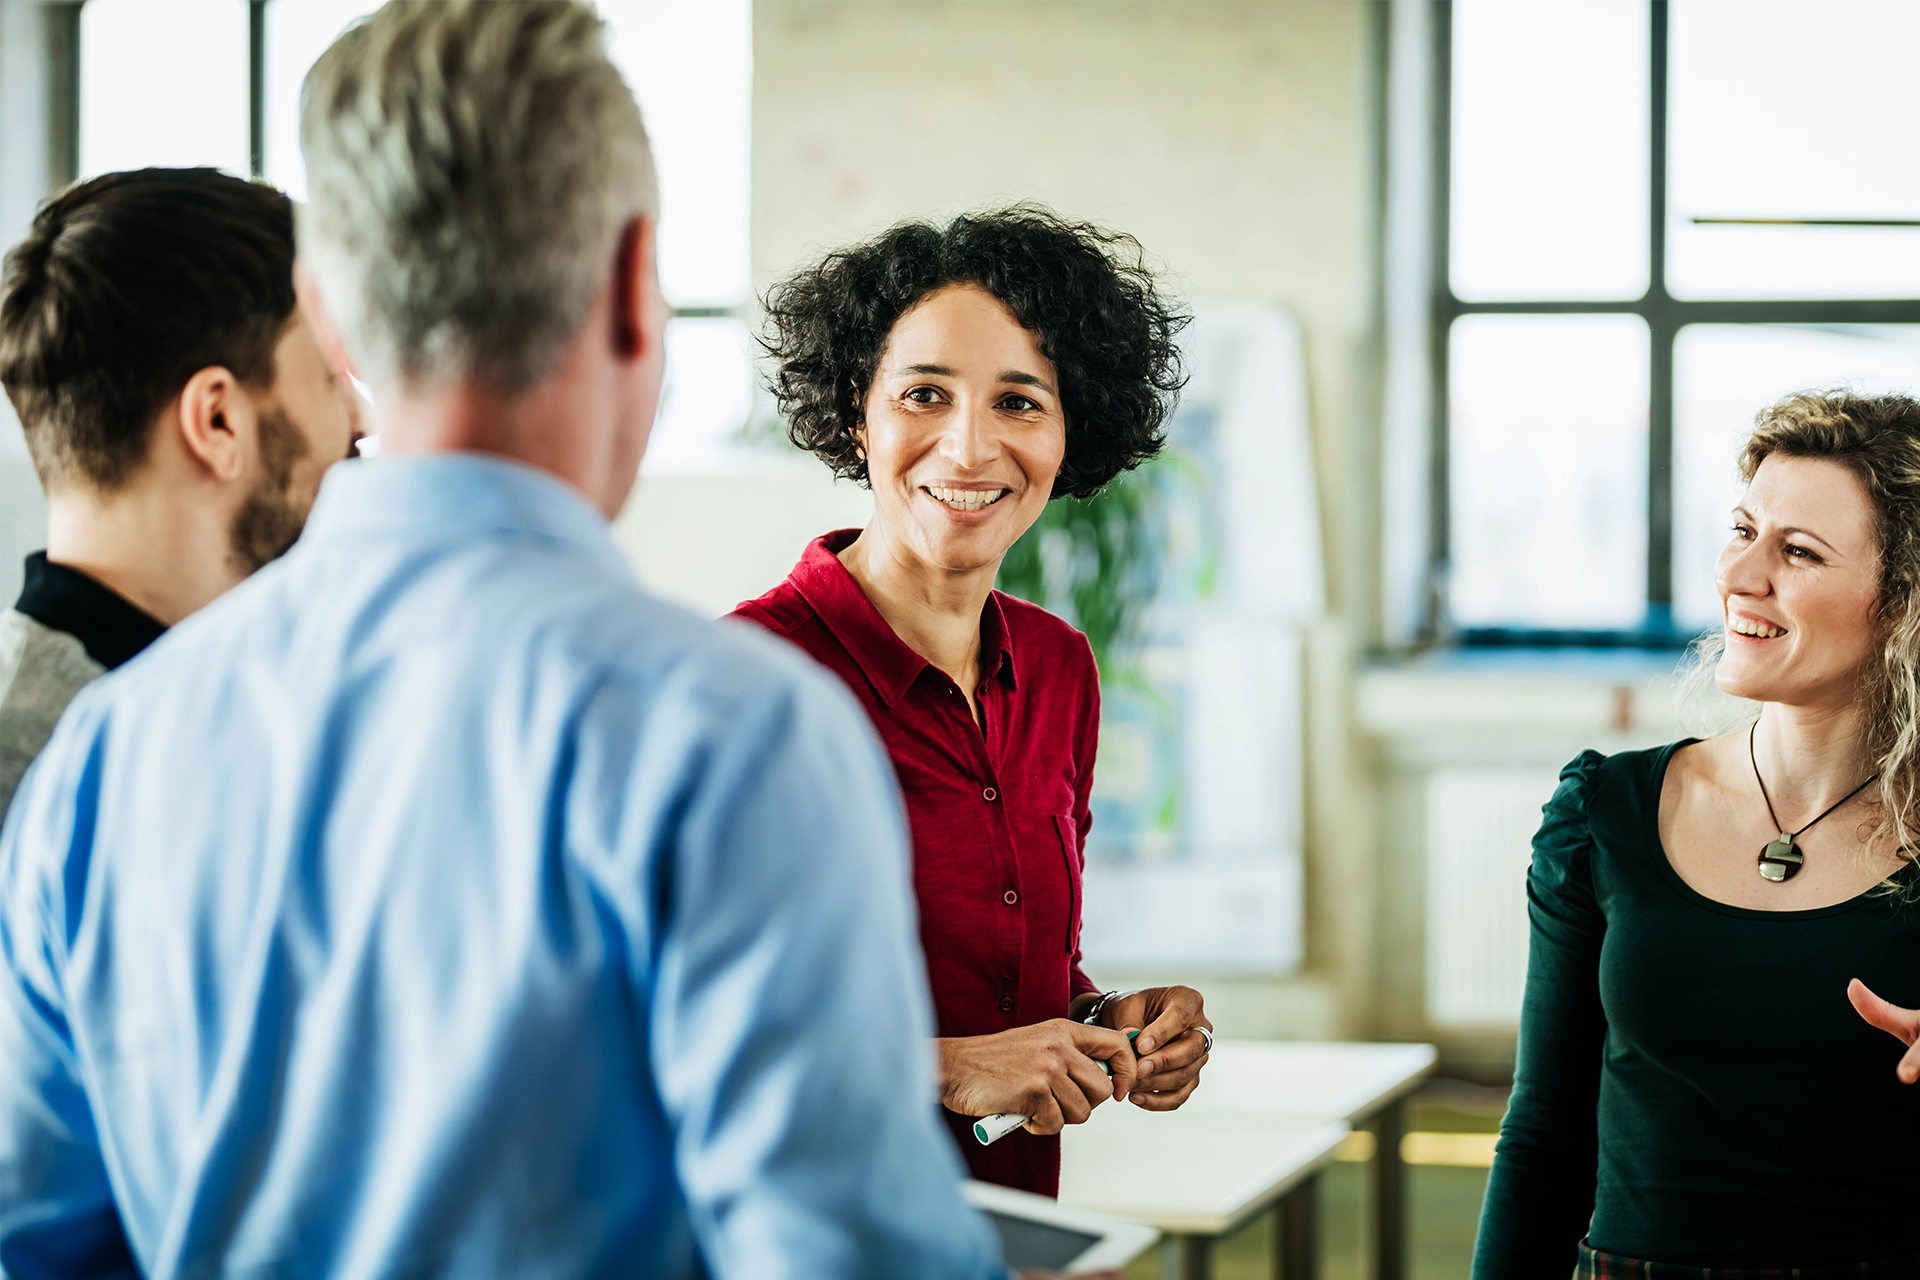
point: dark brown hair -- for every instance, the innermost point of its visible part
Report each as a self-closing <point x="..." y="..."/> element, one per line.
<point x="127" y="286"/>
<point x="1085" y="292"/>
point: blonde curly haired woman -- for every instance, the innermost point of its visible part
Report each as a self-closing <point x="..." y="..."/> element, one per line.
<point x="1700" y="1088"/>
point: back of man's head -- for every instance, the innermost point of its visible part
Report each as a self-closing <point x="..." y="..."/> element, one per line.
<point x="472" y="165"/>
<point x="126" y="285"/>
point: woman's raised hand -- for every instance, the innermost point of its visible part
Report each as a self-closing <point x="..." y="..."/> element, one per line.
<point x="1902" y="1024"/>
<point x="1171" y="1050"/>
<point x="1049" y="1072"/>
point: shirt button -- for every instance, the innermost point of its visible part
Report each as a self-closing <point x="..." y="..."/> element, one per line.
<point x="989" y="795"/>
<point x="1009" y="897"/>
<point x="1006" y="1004"/>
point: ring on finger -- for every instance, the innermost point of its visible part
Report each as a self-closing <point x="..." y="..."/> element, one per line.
<point x="1207" y="1037"/>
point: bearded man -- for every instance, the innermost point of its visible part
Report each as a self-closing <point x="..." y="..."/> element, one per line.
<point x="180" y="412"/>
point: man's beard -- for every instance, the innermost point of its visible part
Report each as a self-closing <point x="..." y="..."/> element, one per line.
<point x="269" y="521"/>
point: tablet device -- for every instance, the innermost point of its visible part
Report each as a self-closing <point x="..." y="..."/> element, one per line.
<point x="1038" y="1232"/>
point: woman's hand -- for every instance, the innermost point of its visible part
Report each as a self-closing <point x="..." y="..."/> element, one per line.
<point x="1902" y="1024"/>
<point x="1049" y="1072"/>
<point x="1171" y="1051"/>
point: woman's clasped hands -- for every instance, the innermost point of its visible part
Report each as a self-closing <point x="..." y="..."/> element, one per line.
<point x="1049" y="1072"/>
<point x="1052" y="1072"/>
<point x="1171" y="1048"/>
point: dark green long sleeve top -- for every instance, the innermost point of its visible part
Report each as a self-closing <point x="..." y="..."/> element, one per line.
<point x="1692" y="1084"/>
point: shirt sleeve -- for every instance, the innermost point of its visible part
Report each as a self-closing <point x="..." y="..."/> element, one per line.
<point x="1540" y="1192"/>
<point x="777" y="959"/>
<point x="1086" y="748"/>
<point x="57" y="1216"/>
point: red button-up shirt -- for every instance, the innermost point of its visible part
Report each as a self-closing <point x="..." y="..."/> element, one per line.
<point x="999" y="818"/>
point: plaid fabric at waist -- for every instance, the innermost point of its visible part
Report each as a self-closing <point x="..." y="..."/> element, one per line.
<point x="1595" y="1265"/>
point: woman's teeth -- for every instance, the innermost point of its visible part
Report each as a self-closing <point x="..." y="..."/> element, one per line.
<point x="1758" y="630"/>
<point x="967" y="499"/>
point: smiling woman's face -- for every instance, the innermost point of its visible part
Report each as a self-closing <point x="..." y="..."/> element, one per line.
<point x="1799" y="585"/>
<point x="964" y="431"/>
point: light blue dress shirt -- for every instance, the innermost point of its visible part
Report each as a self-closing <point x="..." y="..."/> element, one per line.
<point x="438" y="903"/>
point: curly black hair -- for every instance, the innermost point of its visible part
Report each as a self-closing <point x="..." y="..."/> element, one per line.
<point x="1084" y="291"/>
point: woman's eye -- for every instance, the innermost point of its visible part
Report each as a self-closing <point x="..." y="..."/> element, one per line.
<point x="1802" y="553"/>
<point x="1019" y="404"/>
<point x="923" y="395"/>
<point x="1743" y="533"/>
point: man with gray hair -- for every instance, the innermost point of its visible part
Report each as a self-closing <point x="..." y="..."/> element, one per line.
<point x="437" y="903"/>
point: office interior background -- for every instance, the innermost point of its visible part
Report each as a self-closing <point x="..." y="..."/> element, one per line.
<point x="1485" y="294"/>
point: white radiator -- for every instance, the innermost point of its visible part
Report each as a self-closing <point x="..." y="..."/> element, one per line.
<point x="1480" y="825"/>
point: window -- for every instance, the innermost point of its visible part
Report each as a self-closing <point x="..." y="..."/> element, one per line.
<point x="1646" y="234"/>
<point x="692" y="67"/>
<point x="296" y="33"/>
<point x="217" y="82"/>
<point x="163" y="84"/>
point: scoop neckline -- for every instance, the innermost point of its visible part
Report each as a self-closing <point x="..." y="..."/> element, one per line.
<point x="1686" y="890"/>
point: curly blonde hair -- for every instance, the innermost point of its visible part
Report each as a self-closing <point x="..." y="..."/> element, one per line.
<point x="1878" y="439"/>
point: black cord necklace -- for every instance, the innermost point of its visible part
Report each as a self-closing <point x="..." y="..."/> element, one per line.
<point x="1781" y="859"/>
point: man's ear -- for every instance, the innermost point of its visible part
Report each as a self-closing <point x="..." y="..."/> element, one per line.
<point x="214" y="418"/>
<point x="307" y="290"/>
<point x="638" y="309"/>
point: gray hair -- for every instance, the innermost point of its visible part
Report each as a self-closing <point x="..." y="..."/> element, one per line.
<point x="471" y="165"/>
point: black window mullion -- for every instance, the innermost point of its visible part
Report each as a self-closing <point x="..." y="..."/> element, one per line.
<point x="62" y="33"/>
<point x="1439" y="338"/>
<point x="257" y="87"/>
<point x="1662" y="328"/>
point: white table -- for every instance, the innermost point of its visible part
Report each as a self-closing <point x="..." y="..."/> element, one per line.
<point x="1198" y="1176"/>
<point x="1360" y="1084"/>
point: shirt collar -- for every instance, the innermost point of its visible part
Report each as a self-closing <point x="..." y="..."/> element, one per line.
<point x="112" y="629"/>
<point x="883" y="657"/>
<point x="452" y="496"/>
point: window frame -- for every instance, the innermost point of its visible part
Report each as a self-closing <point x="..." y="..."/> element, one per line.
<point x="257" y="132"/>
<point x="1664" y="315"/>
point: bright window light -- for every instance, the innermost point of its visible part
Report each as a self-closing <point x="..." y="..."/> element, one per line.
<point x="691" y="66"/>
<point x="1753" y="138"/>
<point x="163" y="84"/>
<point x="1548" y="471"/>
<point x="298" y="32"/>
<point x="1550" y="135"/>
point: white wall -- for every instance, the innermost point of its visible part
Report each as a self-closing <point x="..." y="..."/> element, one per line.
<point x="712" y="541"/>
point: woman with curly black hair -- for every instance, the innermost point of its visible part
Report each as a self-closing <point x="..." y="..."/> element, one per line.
<point x="969" y="374"/>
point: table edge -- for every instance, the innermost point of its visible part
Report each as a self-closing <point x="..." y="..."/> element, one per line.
<point x="1331" y="1135"/>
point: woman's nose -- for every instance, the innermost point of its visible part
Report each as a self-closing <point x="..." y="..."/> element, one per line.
<point x="1739" y="571"/>
<point x="969" y="441"/>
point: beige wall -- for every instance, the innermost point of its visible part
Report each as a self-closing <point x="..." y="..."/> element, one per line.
<point x="1235" y="139"/>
